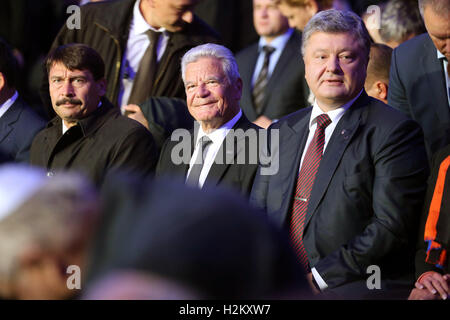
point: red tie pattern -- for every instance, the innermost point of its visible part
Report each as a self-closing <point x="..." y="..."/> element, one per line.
<point x="305" y="182"/>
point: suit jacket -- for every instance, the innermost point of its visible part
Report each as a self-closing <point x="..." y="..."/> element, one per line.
<point x="18" y="126"/>
<point x="417" y="87"/>
<point x="102" y="142"/>
<point x="105" y="28"/>
<point x="229" y="174"/>
<point x="363" y="205"/>
<point x="286" y="90"/>
<point x="442" y="224"/>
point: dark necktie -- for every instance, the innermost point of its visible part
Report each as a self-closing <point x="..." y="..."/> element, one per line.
<point x="305" y="182"/>
<point x="142" y="83"/>
<point x="261" y="82"/>
<point x="194" y="174"/>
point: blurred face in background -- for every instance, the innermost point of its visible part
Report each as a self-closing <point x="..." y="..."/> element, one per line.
<point x="269" y="22"/>
<point x="298" y="16"/>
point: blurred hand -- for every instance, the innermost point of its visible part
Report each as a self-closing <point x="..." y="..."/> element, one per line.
<point x="263" y="122"/>
<point x="422" y="294"/>
<point x="309" y="278"/>
<point x="435" y="283"/>
<point x="134" y="112"/>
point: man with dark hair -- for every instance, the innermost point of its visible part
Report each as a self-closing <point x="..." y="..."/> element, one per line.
<point x="352" y="171"/>
<point x="88" y="134"/>
<point x="18" y="122"/>
<point x="141" y="42"/>
<point x="419" y="83"/>
<point x="377" y="81"/>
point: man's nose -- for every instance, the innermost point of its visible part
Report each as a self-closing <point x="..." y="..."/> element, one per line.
<point x="67" y="89"/>
<point x="202" y="91"/>
<point x="333" y="64"/>
<point x="188" y="17"/>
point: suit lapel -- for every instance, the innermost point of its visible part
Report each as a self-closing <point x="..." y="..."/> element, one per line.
<point x="435" y="80"/>
<point x="341" y="137"/>
<point x="292" y="143"/>
<point x="9" y="119"/>
<point x="247" y="73"/>
<point x="226" y="158"/>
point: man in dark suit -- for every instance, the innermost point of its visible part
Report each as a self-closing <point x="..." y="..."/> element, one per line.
<point x="352" y="170"/>
<point x="419" y="84"/>
<point x="223" y="149"/>
<point x="122" y="32"/>
<point x="18" y="122"/>
<point x="272" y="70"/>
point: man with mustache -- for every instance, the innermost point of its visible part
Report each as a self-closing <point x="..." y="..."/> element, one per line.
<point x="88" y="134"/>
<point x="352" y="171"/>
<point x="217" y="152"/>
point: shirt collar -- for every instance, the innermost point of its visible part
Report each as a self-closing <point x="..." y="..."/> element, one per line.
<point x="219" y="134"/>
<point x="8" y="103"/>
<point x="440" y="55"/>
<point x="140" y="25"/>
<point x="278" y="43"/>
<point x="335" y="115"/>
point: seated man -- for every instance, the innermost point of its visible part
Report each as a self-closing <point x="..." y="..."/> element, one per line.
<point x="18" y="122"/>
<point x="432" y="257"/>
<point x="88" y="134"/>
<point x="213" y="89"/>
<point x="352" y="170"/>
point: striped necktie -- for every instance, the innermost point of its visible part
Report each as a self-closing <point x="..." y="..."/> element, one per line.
<point x="305" y="182"/>
<point x="261" y="82"/>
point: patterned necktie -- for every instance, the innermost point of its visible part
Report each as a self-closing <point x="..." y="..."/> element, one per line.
<point x="142" y="83"/>
<point x="194" y="175"/>
<point x="305" y="182"/>
<point x="261" y="82"/>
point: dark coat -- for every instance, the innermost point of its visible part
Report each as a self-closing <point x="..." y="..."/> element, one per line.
<point x="363" y="205"/>
<point x="286" y="90"/>
<point x="417" y="87"/>
<point x="105" y="28"/>
<point x="442" y="223"/>
<point x="18" y="127"/>
<point x="99" y="143"/>
<point x="236" y="176"/>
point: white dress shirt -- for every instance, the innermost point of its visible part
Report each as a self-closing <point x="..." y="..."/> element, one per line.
<point x="335" y="115"/>
<point x="8" y="103"/>
<point x="137" y="44"/>
<point x="278" y="44"/>
<point x="217" y="136"/>
<point x="447" y="77"/>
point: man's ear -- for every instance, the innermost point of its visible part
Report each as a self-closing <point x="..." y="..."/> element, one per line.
<point x="101" y="87"/>
<point x="382" y="90"/>
<point x="2" y="81"/>
<point x="238" y="85"/>
<point x="312" y="7"/>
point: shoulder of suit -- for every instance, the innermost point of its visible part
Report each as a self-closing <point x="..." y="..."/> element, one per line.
<point x="414" y="46"/>
<point x="247" y="51"/>
<point x="292" y="118"/>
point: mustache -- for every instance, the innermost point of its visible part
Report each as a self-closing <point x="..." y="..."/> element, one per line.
<point x="68" y="100"/>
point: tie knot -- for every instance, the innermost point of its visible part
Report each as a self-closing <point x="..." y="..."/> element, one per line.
<point x="268" y="50"/>
<point x="323" y="120"/>
<point x="152" y="35"/>
<point x="205" y="141"/>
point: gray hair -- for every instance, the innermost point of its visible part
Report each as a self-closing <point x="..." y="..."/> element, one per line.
<point x="211" y="50"/>
<point x="400" y="20"/>
<point x="54" y="217"/>
<point x="334" y="21"/>
<point x="439" y="6"/>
